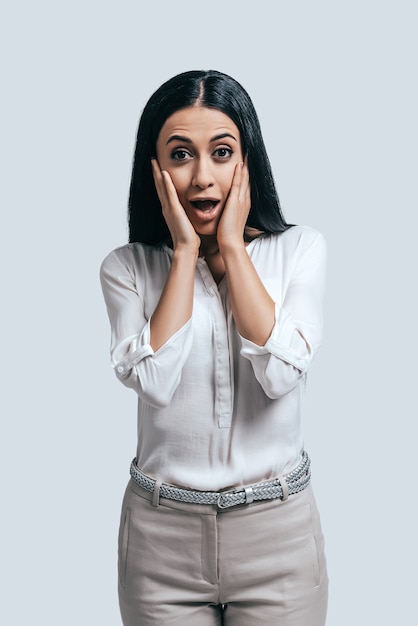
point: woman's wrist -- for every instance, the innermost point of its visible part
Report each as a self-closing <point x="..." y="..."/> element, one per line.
<point x="231" y="247"/>
<point x="186" y="252"/>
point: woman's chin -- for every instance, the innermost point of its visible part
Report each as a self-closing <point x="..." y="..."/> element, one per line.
<point x="206" y="230"/>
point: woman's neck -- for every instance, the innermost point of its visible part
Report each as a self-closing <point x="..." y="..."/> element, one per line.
<point x="208" y="246"/>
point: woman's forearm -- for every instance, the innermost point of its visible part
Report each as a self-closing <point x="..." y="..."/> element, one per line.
<point x="176" y="303"/>
<point x="252" y="307"/>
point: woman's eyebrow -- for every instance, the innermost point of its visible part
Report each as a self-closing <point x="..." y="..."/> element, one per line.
<point x="189" y="141"/>
<point x="222" y="136"/>
<point x="179" y="138"/>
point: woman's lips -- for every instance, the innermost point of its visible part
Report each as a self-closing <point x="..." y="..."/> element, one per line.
<point x="204" y="205"/>
<point x="205" y="209"/>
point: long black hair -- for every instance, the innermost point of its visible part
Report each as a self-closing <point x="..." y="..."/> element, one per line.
<point x="214" y="90"/>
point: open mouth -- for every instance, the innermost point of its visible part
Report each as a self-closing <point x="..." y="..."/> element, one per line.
<point x="204" y="205"/>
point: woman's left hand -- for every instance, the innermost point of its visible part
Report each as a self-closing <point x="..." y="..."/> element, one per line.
<point x="252" y="306"/>
<point x="234" y="217"/>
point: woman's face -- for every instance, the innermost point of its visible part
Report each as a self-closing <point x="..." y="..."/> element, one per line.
<point x="199" y="148"/>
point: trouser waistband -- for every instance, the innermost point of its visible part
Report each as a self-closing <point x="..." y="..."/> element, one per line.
<point x="281" y="487"/>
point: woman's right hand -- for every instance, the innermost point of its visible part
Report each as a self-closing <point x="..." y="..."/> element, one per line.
<point x="182" y="232"/>
<point x="175" y="306"/>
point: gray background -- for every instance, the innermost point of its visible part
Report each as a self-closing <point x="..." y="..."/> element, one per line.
<point x="334" y="84"/>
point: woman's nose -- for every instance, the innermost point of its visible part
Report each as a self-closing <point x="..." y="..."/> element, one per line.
<point x="202" y="174"/>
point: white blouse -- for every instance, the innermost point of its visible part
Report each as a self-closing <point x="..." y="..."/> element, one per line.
<point x="214" y="409"/>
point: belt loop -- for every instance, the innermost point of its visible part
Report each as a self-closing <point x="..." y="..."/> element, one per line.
<point x="249" y="495"/>
<point x="284" y="486"/>
<point x="156" y="495"/>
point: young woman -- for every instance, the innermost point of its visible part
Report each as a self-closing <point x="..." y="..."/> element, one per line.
<point x="215" y="311"/>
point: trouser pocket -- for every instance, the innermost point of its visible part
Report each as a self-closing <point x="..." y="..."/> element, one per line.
<point x="123" y="544"/>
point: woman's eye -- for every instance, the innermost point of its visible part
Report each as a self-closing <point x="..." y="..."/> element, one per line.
<point x="180" y="155"/>
<point x="223" y="153"/>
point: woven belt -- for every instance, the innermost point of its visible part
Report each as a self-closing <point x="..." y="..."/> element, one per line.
<point x="293" y="482"/>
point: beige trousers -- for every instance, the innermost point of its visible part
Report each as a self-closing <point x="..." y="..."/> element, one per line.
<point x="260" y="564"/>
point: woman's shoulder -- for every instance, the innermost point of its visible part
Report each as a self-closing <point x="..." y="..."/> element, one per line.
<point x="131" y="255"/>
<point x="293" y="238"/>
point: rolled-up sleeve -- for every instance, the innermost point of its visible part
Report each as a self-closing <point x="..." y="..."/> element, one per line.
<point x="153" y="375"/>
<point x="297" y="332"/>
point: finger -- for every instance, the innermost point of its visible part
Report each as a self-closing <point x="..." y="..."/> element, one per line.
<point x="242" y="183"/>
<point x="245" y="178"/>
<point x="246" y="170"/>
<point x="233" y="193"/>
<point x="158" y="180"/>
<point x="236" y="180"/>
<point x="156" y="170"/>
<point x="170" y="190"/>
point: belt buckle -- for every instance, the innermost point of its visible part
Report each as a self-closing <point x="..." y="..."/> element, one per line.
<point x="247" y="491"/>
